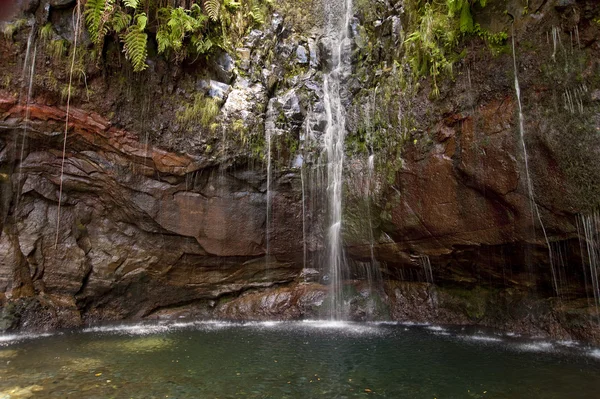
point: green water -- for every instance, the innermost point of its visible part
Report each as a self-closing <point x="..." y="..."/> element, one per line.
<point x="293" y="360"/>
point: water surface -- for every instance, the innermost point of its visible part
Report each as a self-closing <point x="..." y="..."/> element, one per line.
<point x="293" y="360"/>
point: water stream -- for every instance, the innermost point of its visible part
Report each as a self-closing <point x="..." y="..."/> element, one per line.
<point x="535" y="211"/>
<point x="269" y="205"/>
<point x="338" y="14"/>
<point x="27" y="86"/>
<point x="590" y="224"/>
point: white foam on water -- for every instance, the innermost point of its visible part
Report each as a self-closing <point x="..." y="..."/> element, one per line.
<point x="9" y="338"/>
<point x="480" y="338"/>
<point x="385" y="323"/>
<point x="536" y="347"/>
<point x="595" y="353"/>
<point x="13" y="338"/>
<point x="344" y="326"/>
<point x="569" y="344"/>
<point x="435" y="328"/>
<point x="131" y="329"/>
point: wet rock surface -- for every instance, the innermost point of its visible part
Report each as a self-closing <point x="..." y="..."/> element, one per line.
<point x="163" y="218"/>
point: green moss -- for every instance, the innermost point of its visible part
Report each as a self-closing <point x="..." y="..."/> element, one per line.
<point x="202" y="111"/>
<point x="11" y="28"/>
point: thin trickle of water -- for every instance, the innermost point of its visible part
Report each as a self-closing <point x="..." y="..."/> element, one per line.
<point x="338" y="14"/>
<point x="590" y="224"/>
<point x="535" y="212"/>
<point x="555" y="42"/>
<point x="582" y="246"/>
<point x="76" y="30"/>
<point x="427" y="270"/>
<point x="27" y="78"/>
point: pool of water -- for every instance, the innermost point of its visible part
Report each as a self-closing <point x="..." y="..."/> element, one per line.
<point x="293" y="360"/>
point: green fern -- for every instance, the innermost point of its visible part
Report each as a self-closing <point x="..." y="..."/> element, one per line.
<point x="120" y="21"/>
<point x="257" y="15"/>
<point x="94" y="9"/>
<point x="131" y="3"/>
<point x="213" y="9"/>
<point x="202" y="45"/>
<point x="135" y="42"/>
<point x="179" y="24"/>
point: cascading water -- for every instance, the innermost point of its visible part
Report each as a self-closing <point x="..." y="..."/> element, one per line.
<point x="534" y="208"/>
<point x="268" y="228"/>
<point x="338" y="14"/>
<point x="371" y="171"/>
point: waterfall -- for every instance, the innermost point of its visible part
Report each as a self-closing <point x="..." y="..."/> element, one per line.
<point x="371" y="167"/>
<point x="338" y="14"/>
<point x="269" y="216"/>
<point x="534" y="207"/>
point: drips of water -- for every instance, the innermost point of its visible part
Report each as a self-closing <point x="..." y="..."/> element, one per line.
<point x="338" y="14"/>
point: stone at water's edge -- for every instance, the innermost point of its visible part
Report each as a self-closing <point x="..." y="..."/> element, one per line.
<point x="155" y="224"/>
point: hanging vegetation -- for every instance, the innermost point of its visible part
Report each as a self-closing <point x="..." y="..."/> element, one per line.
<point x="180" y="32"/>
<point x="436" y="28"/>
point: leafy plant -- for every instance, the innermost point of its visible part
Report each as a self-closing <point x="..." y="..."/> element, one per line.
<point x="436" y="28"/>
<point x="178" y="24"/>
<point x="181" y="32"/>
<point x="135" y="41"/>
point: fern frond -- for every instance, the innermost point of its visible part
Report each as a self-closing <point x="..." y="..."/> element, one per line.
<point x="213" y="9"/>
<point x="201" y="44"/>
<point x="94" y="9"/>
<point x="257" y="15"/>
<point x="131" y="3"/>
<point x="97" y="17"/>
<point x="163" y="40"/>
<point x="120" y="20"/>
<point x="135" y="43"/>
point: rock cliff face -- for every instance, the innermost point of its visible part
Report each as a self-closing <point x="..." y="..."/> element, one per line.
<point x="164" y="215"/>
